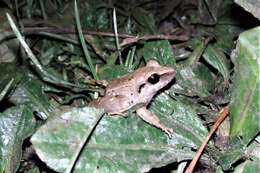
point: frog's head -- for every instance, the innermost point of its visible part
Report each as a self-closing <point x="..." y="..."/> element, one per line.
<point x="154" y="77"/>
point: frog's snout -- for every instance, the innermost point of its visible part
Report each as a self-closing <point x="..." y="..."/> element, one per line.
<point x="169" y="72"/>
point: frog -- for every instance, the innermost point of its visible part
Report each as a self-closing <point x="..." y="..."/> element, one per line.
<point x="135" y="91"/>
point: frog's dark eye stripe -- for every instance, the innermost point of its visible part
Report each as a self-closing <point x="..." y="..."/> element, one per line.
<point x="154" y="78"/>
<point x="140" y="88"/>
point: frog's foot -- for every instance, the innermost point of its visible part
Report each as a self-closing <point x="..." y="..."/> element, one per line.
<point x="102" y="82"/>
<point x="168" y="131"/>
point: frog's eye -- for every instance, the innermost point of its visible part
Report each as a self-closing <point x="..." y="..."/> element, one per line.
<point x="154" y="78"/>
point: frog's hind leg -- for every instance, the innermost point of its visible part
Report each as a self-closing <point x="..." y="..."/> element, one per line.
<point x="152" y="119"/>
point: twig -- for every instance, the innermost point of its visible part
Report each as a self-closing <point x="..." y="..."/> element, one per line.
<point x="118" y="47"/>
<point x="221" y="117"/>
<point x="135" y="39"/>
<point x="35" y="30"/>
<point x="128" y="39"/>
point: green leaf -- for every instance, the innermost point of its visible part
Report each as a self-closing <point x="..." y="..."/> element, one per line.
<point x="227" y="28"/>
<point x="28" y="90"/>
<point x="10" y="76"/>
<point x="249" y="166"/>
<point x="16" y="124"/>
<point x="9" y="71"/>
<point x="188" y="128"/>
<point x="31" y="92"/>
<point x="217" y="59"/>
<point x="195" y="80"/>
<point x="108" y="72"/>
<point x="144" y="19"/>
<point x="244" y="107"/>
<point x="237" y="150"/>
<point x="197" y="52"/>
<point x="94" y="16"/>
<point x="253" y="149"/>
<point x="231" y="154"/>
<point x="6" y="53"/>
<point x="117" y="145"/>
<point x="225" y="35"/>
<point x="49" y="51"/>
<point x="160" y="51"/>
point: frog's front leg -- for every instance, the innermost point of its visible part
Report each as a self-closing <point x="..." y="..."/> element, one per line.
<point x="151" y="118"/>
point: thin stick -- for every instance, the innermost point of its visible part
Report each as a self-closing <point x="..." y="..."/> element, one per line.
<point x="131" y="40"/>
<point x="128" y="39"/>
<point x="118" y="47"/>
<point x="221" y="117"/>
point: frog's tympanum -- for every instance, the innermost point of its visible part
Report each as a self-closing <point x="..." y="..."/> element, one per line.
<point x="135" y="90"/>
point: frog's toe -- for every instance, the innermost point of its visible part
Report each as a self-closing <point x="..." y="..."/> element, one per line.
<point x="168" y="131"/>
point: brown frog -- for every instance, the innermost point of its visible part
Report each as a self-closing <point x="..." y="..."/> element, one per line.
<point x="135" y="91"/>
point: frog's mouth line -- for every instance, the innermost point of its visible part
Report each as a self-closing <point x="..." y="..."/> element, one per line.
<point x="170" y="76"/>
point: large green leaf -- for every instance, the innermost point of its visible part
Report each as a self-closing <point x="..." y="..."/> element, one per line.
<point x="249" y="166"/>
<point x="237" y="149"/>
<point x="188" y="129"/>
<point x="119" y="144"/>
<point x="145" y="20"/>
<point x="194" y="80"/>
<point x="232" y="153"/>
<point x="217" y="59"/>
<point x="31" y="92"/>
<point x="244" y="107"/>
<point x="160" y="51"/>
<point x="16" y="124"/>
